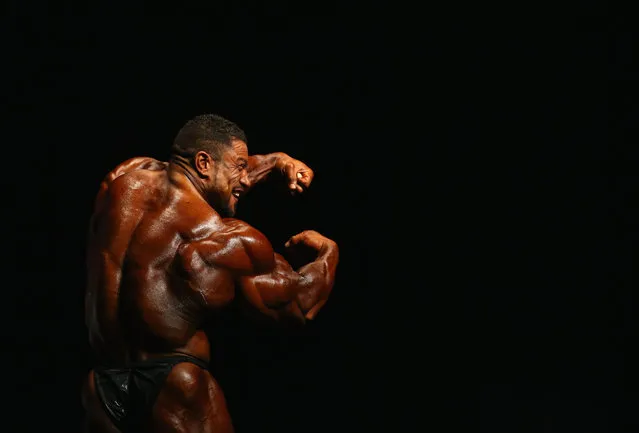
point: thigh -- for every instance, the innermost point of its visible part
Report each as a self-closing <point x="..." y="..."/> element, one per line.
<point x="190" y="401"/>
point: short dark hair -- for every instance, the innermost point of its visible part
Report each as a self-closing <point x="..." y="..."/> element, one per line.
<point x="208" y="132"/>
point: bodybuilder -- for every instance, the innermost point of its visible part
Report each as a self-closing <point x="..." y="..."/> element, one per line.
<point x="164" y="255"/>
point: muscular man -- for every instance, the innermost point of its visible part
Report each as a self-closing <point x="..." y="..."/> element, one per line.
<point x="164" y="255"/>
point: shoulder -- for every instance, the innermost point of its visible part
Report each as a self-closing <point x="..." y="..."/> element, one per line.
<point x="254" y="242"/>
<point x="235" y="245"/>
<point x="116" y="181"/>
<point x="136" y="163"/>
<point x="136" y="182"/>
<point x="244" y="231"/>
<point x="133" y="189"/>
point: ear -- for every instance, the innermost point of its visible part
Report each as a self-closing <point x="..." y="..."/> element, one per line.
<point x="203" y="163"/>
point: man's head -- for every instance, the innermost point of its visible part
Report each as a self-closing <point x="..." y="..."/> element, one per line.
<point x="216" y="151"/>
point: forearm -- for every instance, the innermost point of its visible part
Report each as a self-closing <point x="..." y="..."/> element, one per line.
<point x="260" y="166"/>
<point x="317" y="279"/>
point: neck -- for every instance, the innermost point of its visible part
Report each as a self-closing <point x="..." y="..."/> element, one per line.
<point x="180" y="167"/>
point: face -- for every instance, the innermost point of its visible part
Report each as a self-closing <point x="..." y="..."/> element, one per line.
<point x="227" y="180"/>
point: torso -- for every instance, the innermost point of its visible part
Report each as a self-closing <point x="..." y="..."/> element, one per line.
<point x="144" y="295"/>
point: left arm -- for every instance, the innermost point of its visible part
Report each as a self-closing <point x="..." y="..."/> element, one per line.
<point x="297" y="174"/>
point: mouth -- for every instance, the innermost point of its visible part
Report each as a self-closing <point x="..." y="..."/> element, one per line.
<point x="237" y="193"/>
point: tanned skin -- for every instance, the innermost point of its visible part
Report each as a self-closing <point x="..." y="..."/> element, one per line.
<point x="162" y="260"/>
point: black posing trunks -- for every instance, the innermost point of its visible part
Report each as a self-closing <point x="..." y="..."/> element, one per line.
<point x="128" y="394"/>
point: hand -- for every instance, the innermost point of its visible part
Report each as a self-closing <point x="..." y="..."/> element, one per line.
<point x="311" y="239"/>
<point x="298" y="175"/>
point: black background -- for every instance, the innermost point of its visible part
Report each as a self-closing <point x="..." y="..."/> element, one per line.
<point x="462" y="164"/>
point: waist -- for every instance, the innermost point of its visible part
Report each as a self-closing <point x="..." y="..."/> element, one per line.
<point x="171" y="358"/>
<point x="157" y="359"/>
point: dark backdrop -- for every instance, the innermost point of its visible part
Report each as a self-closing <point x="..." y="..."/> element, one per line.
<point x="461" y="165"/>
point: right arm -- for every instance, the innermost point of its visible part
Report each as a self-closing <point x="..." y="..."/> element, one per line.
<point x="272" y="287"/>
<point x="287" y="293"/>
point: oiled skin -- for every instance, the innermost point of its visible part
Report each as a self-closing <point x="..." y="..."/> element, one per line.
<point x="162" y="261"/>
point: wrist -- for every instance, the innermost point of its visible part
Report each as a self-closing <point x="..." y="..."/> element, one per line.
<point x="279" y="159"/>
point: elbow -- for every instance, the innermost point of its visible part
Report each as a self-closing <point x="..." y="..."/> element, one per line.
<point x="314" y="297"/>
<point x="295" y="314"/>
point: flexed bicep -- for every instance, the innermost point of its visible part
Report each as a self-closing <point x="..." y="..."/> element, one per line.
<point x="274" y="293"/>
<point x="282" y="291"/>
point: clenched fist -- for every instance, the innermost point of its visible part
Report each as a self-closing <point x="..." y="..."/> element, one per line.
<point x="298" y="174"/>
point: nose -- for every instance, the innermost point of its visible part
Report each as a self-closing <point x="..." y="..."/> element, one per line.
<point x="244" y="179"/>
